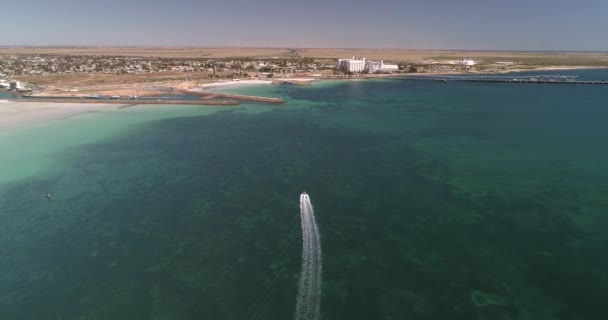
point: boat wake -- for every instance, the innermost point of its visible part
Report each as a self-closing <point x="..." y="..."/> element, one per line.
<point x="308" y="304"/>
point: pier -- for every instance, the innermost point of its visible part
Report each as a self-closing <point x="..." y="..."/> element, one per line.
<point x="214" y="95"/>
<point x="294" y="82"/>
<point x="538" y="81"/>
<point x="504" y="79"/>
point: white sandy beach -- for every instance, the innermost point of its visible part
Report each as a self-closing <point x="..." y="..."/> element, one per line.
<point x="32" y="133"/>
<point x="233" y="83"/>
<point x="15" y="115"/>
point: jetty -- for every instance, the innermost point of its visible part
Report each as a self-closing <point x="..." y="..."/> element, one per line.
<point x="295" y="82"/>
<point x="543" y="79"/>
<point x="205" y="96"/>
<point x="539" y="81"/>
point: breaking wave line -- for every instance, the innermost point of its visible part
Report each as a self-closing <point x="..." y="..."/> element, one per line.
<point x="308" y="303"/>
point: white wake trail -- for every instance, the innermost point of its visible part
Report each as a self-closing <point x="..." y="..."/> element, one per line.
<point x="308" y="304"/>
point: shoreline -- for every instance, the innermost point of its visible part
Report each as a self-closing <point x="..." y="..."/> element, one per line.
<point x="552" y="68"/>
<point x="206" y="90"/>
<point x="32" y="133"/>
<point x="226" y="102"/>
<point x="17" y="115"/>
<point x="167" y="89"/>
<point x="230" y="83"/>
<point x="249" y="82"/>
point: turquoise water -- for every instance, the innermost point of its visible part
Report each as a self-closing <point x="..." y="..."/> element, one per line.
<point x="434" y="201"/>
<point x="31" y="150"/>
<point x="6" y="95"/>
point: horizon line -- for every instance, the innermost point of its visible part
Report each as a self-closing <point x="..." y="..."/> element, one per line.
<point x="297" y="47"/>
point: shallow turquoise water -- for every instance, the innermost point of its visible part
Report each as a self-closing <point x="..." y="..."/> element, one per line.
<point x="6" y="95"/>
<point x="435" y="201"/>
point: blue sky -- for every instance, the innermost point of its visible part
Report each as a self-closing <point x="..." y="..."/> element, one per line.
<point x="431" y="24"/>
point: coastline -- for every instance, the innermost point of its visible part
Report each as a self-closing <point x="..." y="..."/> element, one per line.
<point x="553" y="68"/>
<point x="209" y="95"/>
<point x="249" y="82"/>
<point x="230" y="83"/>
<point x="454" y="73"/>
<point x="17" y="115"/>
<point x="160" y="90"/>
<point x="32" y="133"/>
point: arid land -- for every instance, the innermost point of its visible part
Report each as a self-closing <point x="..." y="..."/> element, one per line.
<point x="150" y="71"/>
<point x="572" y="58"/>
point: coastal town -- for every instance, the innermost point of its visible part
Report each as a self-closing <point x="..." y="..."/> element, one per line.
<point x="119" y="76"/>
<point x="28" y="74"/>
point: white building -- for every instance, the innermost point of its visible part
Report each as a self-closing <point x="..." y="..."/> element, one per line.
<point x="375" y="66"/>
<point x="391" y="67"/>
<point x="351" y="65"/>
<point x="468" y="62"/>
<point x="354" y="65"/>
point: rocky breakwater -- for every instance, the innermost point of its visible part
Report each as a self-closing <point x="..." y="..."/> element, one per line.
<point x="207" y="96"/>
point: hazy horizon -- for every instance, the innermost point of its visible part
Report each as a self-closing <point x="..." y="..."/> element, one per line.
<point x="473" y="25"/>
<point x="295" y="47"/>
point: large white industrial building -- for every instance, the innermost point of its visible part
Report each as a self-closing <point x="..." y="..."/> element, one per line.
<point x="351" y="65"/>
<point x="361" y="65"/>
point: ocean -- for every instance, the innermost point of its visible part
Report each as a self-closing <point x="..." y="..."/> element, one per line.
<point x="433" y="201"/>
